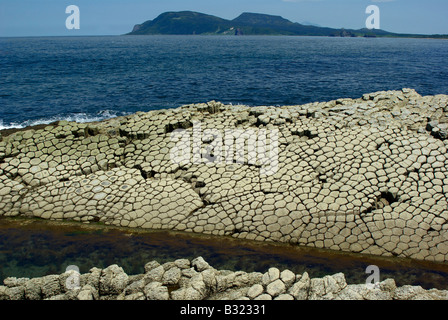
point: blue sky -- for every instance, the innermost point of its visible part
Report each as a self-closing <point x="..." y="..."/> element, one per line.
<point x="113" y="17"/>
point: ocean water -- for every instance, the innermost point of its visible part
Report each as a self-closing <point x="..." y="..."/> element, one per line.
<point x="92" y="78"/>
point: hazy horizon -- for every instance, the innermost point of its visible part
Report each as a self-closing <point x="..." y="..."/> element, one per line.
<point x="116" y="17"/>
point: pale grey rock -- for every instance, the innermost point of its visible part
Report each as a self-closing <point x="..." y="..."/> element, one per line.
<point x="156" y="291"/>
<point x="340" y="280"/>
<point x="300" y="289"/>
<point x="88" y="292"/>
<point x="188" y="293"/>
<point x="408" y="292"/>
<point x="92" y="278"/>
<point x="317" y="289"/>
<point x="210" y="280"/>
<point x="3" y="293"/>
<point x="348" y="293"/>
<point x="72" y="294"/>
<point x="14" y="293"/>
<point x="14" y="282"/>
<point x="171" y="276"/>
<point x="361" y="292"/>
<point x="264" y="296"/>
<point x="378" y="294"/>
<point x="134" y="287"/>
<point x="288" y="277"/>
<point x="200" y="264"/>
<point x="58" y="297"/>
<point x="230" y="294"/>
<point x="198" y="284"/>
<point x="271" y="275"/>
<point x="135" y="296"/>
<point x="276" y="288"/>
<point x="388" y="285"/>
<point x="168" y="265"/>
<point x="436" y="294"/>
<point x="284" y="296"/>
<point x="239" y="279"/>
<point x="255" y="291"/>
<point x="189" y="273"/>
<point x="51" y="286"/>
<point x="182" y="263"/>
<point x="4" y="191"/>
<point x="113" y="280"/>
<point x="331" y="285"/>
<point x="155" y="274"/>
<point x="33" y="289"/>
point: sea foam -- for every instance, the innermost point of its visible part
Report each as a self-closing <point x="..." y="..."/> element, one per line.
<point x="75" y="117"/>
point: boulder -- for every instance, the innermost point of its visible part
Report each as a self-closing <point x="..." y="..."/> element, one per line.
<point x="155" y="274"/>
<point x="300" y="289"/>
<point x="51" y="286"/>
<point x="33" y="289"/>
<point x="200" y="264"/>
<point x="156" y="291"/>
<point x="113" y="280"/>
<point x="255" y="291"/>
<point x="88" y="292"/>
<point x="270" y="276"/>
<point x="171" y="276"/>
<point x="276" y="288"/>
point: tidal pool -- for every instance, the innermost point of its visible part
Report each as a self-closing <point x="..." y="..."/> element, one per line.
<point x="34" y="248"/>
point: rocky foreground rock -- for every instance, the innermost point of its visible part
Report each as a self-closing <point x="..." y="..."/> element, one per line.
<point x="364" y="175"/>
<point x="196" y="280"/>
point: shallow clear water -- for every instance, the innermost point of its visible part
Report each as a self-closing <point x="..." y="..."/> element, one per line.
<point x="33" y="248"/>
<point x="92" y="78"/>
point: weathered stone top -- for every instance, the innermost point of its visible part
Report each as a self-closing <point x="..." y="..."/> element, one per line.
<point x="363" y="175"/>
<point x="183" y="279"/>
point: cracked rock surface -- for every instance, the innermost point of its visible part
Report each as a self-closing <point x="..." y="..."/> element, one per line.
<point x="365" y="175"/>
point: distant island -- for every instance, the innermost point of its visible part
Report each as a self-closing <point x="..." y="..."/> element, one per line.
<point x="195" y="23"/>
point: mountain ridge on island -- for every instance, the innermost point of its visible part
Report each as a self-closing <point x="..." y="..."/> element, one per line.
<point x="248" y="23"/>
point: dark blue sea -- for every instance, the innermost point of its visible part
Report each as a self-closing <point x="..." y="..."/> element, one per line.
<point x="92" y="78"/>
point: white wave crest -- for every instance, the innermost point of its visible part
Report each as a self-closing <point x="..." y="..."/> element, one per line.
<point x="75" y="117"/>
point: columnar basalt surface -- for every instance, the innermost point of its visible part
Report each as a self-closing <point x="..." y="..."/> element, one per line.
<point x="363" y="175"/>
